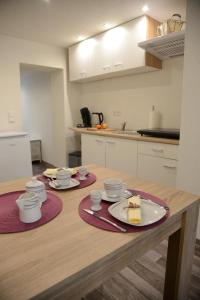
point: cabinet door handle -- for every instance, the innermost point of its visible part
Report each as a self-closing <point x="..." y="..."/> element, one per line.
<point x="169" y="166"/>
<point x="12" y="144"/>
<point x="110" y="142"/>
<point x="83" y="74"/>
<point x="157" y="149"/>
<point x="106" y="67"/>
<point x="118" y="64"/>
<point x="99" y="141"/>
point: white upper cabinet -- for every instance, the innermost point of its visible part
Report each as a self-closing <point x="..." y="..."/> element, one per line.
<point x="114" y="52"/>
<point x="126" y="54"/>
<point x="102" y="56"/>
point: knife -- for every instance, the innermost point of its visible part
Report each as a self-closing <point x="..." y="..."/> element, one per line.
<point x="89" y="211"/>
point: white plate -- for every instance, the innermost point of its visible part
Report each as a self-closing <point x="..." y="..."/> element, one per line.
<point x="72" y="170"/>
<point x="113" y="199"/>
<point x="73" y="183"/>
<point x="151" y="212"/>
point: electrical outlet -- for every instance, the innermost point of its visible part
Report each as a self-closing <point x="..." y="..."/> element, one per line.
<point x="116" y="113"/>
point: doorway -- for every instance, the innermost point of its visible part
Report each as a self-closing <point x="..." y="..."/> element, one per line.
<point x="42" y="98"/>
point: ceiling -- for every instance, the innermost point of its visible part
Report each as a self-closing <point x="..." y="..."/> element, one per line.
<point x="60" y="22"/>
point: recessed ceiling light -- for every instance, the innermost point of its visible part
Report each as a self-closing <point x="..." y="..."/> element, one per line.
<point x="107" y="25"/>
<point x="145" y="8"/>
<point x="81" y="38"/>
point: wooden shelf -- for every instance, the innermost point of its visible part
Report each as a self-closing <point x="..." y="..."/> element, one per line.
<point x="166" y="46"/>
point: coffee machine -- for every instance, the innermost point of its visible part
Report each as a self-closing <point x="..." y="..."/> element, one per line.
<point x="86" y="117"/>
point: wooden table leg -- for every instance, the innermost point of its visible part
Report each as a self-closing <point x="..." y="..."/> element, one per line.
<point x="180" y="257"/>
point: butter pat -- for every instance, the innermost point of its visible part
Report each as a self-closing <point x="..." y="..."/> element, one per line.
<point x="134" y="214"/>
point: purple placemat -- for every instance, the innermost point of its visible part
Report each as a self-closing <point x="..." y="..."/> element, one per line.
<point x="9" y="212"/>
<point x="91" y="178"/>
<point x="86" y="203"/>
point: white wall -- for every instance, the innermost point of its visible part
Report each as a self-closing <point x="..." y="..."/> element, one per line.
<point x="15" y="51"/>
<point x="37" y="109"/>
<point x="134" y="95"/>
<point x="189" y="157"/>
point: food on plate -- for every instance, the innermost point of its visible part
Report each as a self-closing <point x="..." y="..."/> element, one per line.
<point x="134" y="210"/>
<point x="98" y="126"/>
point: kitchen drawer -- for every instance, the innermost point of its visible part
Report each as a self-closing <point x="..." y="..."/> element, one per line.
<point x="158" y="150"/>
<point x="158" y="169"/>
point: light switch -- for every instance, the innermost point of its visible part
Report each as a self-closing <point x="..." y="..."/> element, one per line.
<point x="11" y="117"/>
<point x="116" y="113"/>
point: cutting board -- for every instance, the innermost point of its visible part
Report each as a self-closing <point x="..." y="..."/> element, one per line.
<point x="101" y="129"/>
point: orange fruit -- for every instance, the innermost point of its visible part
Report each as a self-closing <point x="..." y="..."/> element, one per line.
<point x="104" y="126"/>
<point x="98" y="126"/>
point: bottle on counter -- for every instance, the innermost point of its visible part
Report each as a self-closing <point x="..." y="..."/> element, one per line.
<point x="154" y="119"/>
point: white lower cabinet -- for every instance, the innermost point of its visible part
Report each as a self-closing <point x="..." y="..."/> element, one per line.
<point x="15" y="158"/>
<point x="151" y="161"/>
<point x="93" y="149"/>
<point x="112" y="153"/>
<point x="121" y="155"/>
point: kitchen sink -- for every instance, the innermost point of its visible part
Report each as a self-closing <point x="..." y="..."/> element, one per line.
<point x="131" y="132"/>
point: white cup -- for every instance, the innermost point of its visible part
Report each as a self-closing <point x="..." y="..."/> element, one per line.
<point x="29" y="207"/>
<point x="95" y="197"/>
<point x="113" y="188"/>
<point x="82" y="173"/>
<point x="63" y="177"/>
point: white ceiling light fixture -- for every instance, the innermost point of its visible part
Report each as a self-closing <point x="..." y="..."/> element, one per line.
<point x="145" y="8"/>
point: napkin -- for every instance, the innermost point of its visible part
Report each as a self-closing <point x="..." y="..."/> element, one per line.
<point x="51" y="172"/>
<point x="134" y="214"/>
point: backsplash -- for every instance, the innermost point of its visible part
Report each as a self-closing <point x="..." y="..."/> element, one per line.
<point x="130" y="98"/>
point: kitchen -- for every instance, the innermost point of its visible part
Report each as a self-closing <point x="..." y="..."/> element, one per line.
<point x="120" y="96"/>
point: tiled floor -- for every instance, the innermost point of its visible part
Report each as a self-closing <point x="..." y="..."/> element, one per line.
<point x="143" y="279"/>
<point x="39" y="168"/>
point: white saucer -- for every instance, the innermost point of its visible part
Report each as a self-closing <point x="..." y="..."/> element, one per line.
<point x="73" y="183"/>
<point x="113" y="199"/>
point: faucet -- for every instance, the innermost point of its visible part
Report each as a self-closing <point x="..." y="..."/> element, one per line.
<point x="123" y="126"/>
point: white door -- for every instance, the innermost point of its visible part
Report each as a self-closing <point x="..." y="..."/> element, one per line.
<point x="122" y="155"/>
<point x="157" y="169"/>
<point x="93" y="149"/>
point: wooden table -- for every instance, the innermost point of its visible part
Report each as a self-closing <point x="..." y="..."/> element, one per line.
<point x="67" y="258"/>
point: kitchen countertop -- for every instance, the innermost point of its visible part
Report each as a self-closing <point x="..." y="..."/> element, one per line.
<point x="5" y="134"/>
<point x="113" y="133"/>
<point x="67" y="258"/>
